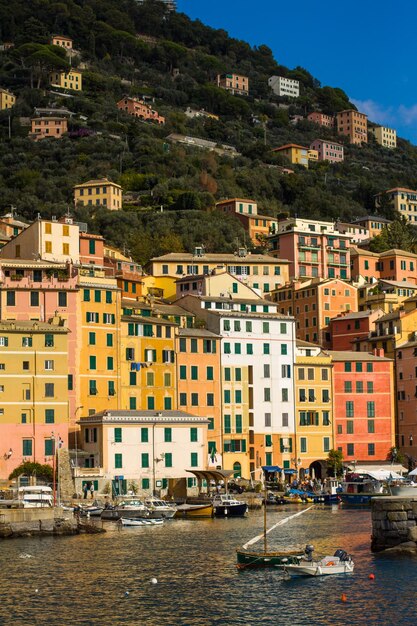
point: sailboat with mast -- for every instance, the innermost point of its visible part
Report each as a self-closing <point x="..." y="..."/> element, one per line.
<point x="266" y="558"/>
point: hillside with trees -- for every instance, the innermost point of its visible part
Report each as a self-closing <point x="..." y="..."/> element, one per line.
<point x="144" y="50"/>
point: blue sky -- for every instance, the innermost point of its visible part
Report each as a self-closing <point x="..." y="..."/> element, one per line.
<point x="366" y="47"/>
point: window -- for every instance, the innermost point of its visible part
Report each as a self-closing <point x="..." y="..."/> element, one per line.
<point x="348" y="386"/>
<point x="359" y="386"/>
<point x="194" y="345"/>
<point x="268" y="420"/>
<point x="210" y="423"/>
<point x="144" y="435"/>
<point x="193" y="434"/>
<point x="49" y="340"/>
<point x="266" y="348"/>
<point x="11" y="298"/>
<point x="49" y="447"/>
<point x="118" y="435"/>
<point x="132" y="378"/>
<point x="210" y="373"/>
<point x="350" y="449"/>
<point x="132" y="403"/>
<point x="348" y="366"/>
<point x="358" y="367"/>
<point x="227" y="424"/>
<point x="284" y="349"/>
<point x="150" y="401"/>
<point x="109" y="340"/>
<point x="110" y="365"/>
<point x="183" y="344"/>
<point x="49" y="390"/>
<point x="284" y="395"/>
<point x="167" y="403"/>
<point x="349" y="409"/>
<point x="210" y="399"/>
<point x="326" y="418"/>
<point x="144" y="460"/>
<point x="303" y="444"/>
<point x="183" y="399"/>
<point x="108" y="297"/>
<point x="27" y="445"/>
<point x="70" y="382"/>
<point x="325" y="395"/>
<point x="168" y="459"/>
<point x="267" y="394"/>
<point x="371" y="449"/>
<point x="111" y="388"/>
<point x="370" y="409"/>
<point x="194" y="372"/>
<point x="249" y="348"/>
<point x="93" y="362"/>
<point x="145" y="484"/>
<point x="93" y="387"/>
<point x="62" y="298"/>
<point x="194" y="399"/>
<point x="248" y="327"/>
<point x="370" y="386"/>
<point x="49" y="416"/>
<point x="349" y="427"/>
<point x="49" y="364"/>
<point x="265" y="327"/>
<point x="371" y="426"/>
<point x="326" y="444"/>
<point x="4" y="341"/>
<point x="370" y="368"/>
<point x="227" y="396"/>
<point x="86" y="295"/>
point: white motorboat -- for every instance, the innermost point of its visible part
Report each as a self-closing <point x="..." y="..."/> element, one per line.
<point x="130" y="509"/>
<point x="125" y="521"/>
<point x="340" y="563"/>
<point x="405" y="489"/>
<point x="36" y="496"/>
<point x="159" y="508"/>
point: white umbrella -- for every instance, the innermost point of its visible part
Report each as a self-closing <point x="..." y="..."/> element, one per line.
<point x="413" y="473"/>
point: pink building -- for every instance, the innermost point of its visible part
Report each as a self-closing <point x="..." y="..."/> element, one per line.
<point x="91" y="249"/>
<point x="138" y="108"/>
<point x="328" y="150"/>
<point x="406" y="372"/>
<point x="321" y="119"/>
<point x="348" y="327"/>
<point x="314" y="249"/>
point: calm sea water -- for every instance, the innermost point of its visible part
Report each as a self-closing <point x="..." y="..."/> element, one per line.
<point x="83" y="580"/>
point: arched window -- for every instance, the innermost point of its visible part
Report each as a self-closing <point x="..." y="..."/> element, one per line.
<point x="237" y="469"/>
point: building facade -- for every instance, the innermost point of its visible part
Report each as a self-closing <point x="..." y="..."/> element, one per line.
<point x="386" y="137"/>
<point x="72" y="80"/>
<point x="282" y="86"/>
<point x="47" y="127"/>
<point x="235" y="83"/>
<point x="353" y="125"/>
<point x="101" y="192"/>
<point x="295" y="154"/>
<point x="140" y="109"/>
<point x="62" y="41"/>
<point x="328" y="150"/>
<point x="402" y="200"/>
<point x="321" y="119"/>
<point x="7" y="99"/>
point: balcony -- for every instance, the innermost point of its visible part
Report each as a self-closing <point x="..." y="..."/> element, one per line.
<point x="87" y="472"/>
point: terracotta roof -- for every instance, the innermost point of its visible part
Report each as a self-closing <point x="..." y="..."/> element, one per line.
<point x="99" y="181"/>
<point x="228" y="200"/>
<point x="289" y="145"/>
<point x="347" y="355"/>
<point x="197" y="332"/>
<point x="218" y="258"/>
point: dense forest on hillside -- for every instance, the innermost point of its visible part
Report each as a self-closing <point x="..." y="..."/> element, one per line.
<point x="133" y="48"/>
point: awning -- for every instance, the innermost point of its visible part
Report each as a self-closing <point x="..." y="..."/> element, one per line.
<point x="271" y="468"/>
<point x="413" y="473"/>
<point x="384" y="470"/>
<point x="216" y="475"/>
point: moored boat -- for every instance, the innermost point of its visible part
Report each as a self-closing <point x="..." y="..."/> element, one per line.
<point x="265" y="559"/>
<point x="194" y="511"/>
<point x="358" y="489"/>
<point x="340" y="563"/>
<point x="226" y="505"/>
<point x="159" y="508"/>
<point x="125" y="521"/>
<point x="406" y="489"/>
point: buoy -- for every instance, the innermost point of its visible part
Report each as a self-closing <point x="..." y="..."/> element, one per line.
<point x="154" y="581"/>
<point x="371" y="576"/>
<point x="36" y="590"/>
<point x="343" y="597"/>
<point x="126" y="593"/>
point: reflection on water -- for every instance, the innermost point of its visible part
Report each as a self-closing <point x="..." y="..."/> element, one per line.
<point x="83" y="580"/>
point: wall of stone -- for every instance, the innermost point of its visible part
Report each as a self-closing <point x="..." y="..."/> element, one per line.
<point x="394" y="522"/>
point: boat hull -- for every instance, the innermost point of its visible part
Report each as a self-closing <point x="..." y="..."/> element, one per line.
<point x="195" y="511"/>
<point x="233" y="510"/>
<point x="167" y="513"/>
<point x="264" y="559"/>
<point x="358" y="499"/>
<point x="141" y="522"/>
<point x="316" y="569"/>
<point x="406" y="491"/>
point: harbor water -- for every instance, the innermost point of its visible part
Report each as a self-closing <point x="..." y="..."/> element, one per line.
<point x="106" y="579"/>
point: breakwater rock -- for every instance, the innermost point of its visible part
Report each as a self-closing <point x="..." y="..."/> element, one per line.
<point x="42" y="522"/>
<point x="394" y="524"/>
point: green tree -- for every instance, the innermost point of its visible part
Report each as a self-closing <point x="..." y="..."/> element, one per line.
<point x="400" y="235"/>
<point x="43" y="472"/>
<point x="334" y="463"/>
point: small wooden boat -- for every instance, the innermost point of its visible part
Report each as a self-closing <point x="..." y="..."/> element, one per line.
<point x="194" y="511"/>
<point x="124" y="521"/>
<point x="340" y="563"/>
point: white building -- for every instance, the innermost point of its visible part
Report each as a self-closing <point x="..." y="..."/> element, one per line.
<point x="145" y="447"/>
<point x="386" y="137"/>
<point x="282" y="86"/>
<point x="257" y="363"/>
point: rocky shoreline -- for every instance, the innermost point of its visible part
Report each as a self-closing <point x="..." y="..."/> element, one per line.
<point x="394" y="524"/>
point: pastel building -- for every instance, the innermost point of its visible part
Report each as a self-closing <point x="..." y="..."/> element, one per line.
<point x="67" y="80"/>
<point x="62" y="41"/>
<point x="258" y="271"/>
<point x="295" y="154"/>
<point x="48" y="127"/>
<point x="138" y="108"/>
<point x="402" y="200"/>
<point x="235" y="83"/>
<point x="99" y="192"/>
<point x="387" y="295"/>
<point x="313" y="410"/>
<point x="218" y="283"/>
<point x="314" y="303"/>
<point x="148" y="363"/>
<point x="395" y="265"/>
<point x="328" y="150"/>
<point x="282" y="86"/>
<point x="364" y="413"/>
<point x="257" y="357"/>
<point x="347" y="327"/>
<point x="7" y="99"/>
<point x="374" y="224"/>
<point x="353" y="125"/>
<point x="386" y="137"/>
<point x="406" y="384"/>
<point x="317" y="117"/>
<point x="199" y="385"/>
<point x="151" y="449"/>
<point x="246" y="211"/>
<point x="357" y="232"/>
<point x="314" y="249"/>
<point x="34" y="406"/>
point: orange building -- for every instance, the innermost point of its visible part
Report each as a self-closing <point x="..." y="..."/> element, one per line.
<point x="406" y="373"/>
<point x="314" y="303"/>
<point x="235" y="83"/>
<point x="199" y="386"/>
<point x="140" y="109"/>
<point x="396" y="265"/>
<point x="372" y="224"/>
<point x="353" y="124"/>
<point x="46" y="127"/>
<point x="61" y="40"/>
<point x="258" y="226"/>
<point x="347" y="328"/>
<point x="91" y="249"/>
<point x="317" y="117"/>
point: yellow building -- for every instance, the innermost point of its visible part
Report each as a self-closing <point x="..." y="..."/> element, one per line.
<point x="99" y="309"/>
<point x="67" y="80"/>
<point x="7" y="99"/>
<point x="148" y="371"/>
<point x="101" y="192"/>
<point x="33" y="391"/>
<point x="297" y="155"/>
<point x="313" y="409"/>
<point x="386" y="137"/>
<point x="313" y="155"/>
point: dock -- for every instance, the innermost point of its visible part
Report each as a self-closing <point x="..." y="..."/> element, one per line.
<point x="47" y="521"/>
<point x="394" y="523"/>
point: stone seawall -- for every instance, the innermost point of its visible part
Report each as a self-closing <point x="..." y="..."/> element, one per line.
<point x="41" y="522"/>
<point x="394" y="523"/>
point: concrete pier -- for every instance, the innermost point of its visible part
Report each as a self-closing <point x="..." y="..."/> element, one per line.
<point x="42" y="522"/>
<point x="394" y="523"/>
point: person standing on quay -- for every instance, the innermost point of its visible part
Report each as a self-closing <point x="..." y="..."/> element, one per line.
<point x="92" y="490"/>
<point x="85" y="489"/>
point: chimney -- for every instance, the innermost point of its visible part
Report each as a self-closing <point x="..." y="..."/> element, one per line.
<point x="379" y="352"/>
